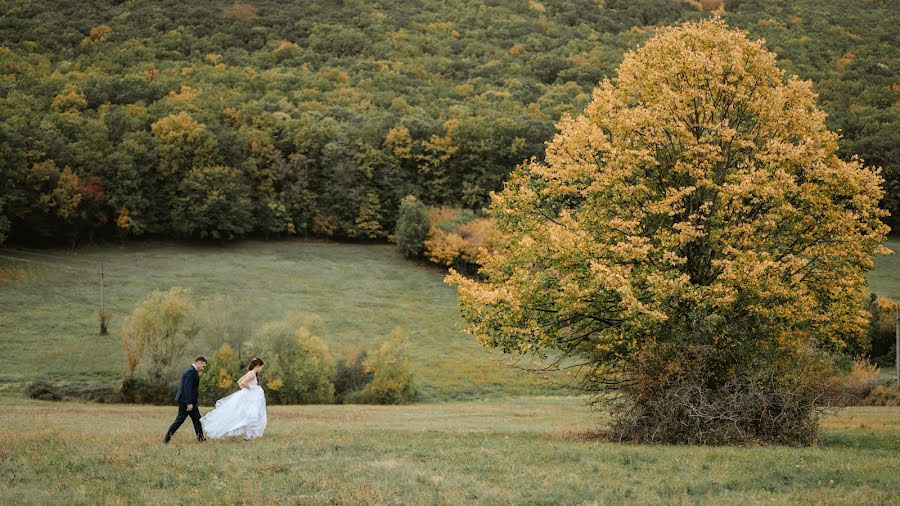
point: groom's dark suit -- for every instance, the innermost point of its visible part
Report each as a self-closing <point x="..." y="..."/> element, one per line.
<point x="188" y="392"/>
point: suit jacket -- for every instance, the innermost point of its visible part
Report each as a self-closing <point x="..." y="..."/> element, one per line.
<point x="189" y="389"/>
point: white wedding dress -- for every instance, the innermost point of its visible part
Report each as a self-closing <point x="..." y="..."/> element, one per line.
<point x="242" y="413"/>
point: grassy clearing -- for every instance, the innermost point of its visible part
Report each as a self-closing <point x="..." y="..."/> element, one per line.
<point x="885" y="279"/>
<point x="514" y="450"/>
<point x="49" y="322"/>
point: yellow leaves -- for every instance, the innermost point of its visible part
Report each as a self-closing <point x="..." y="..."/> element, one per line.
<point x="177" y="125"/>
<point x="123" y="222"/>
<point x="98" y="35"/>
<point x="71" y="99"/>
<point x="443" y="247"/>
<point x="659" y="199"/>
<point x="65" y="196"/>
<point x="184" y="95"/>
<point x="841" y="64"/>
<point x="225" y="380"/>
<point x="275" y="384"/>
<point x="435" y="152"/>
<point x="399" y="141"/>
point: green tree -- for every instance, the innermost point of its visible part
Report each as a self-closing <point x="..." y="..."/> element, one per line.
<point x="412" y="226"/>
<point x="213" y="202"/>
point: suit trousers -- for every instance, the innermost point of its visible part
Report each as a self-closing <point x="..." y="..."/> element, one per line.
<point x="183" y="413"/>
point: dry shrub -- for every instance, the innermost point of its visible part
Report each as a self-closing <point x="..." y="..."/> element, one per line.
<point x="477" y="234"/>
<point x="449" y="218"/>
<point x="457" y="236"/>
<point x="669" y="401"/>
<point x="851" y="388"/>
<point x="443" y="247"/>
<point x="743" y="411"/>
<point x="711" y="5"/>
<point x="883" y="396"/>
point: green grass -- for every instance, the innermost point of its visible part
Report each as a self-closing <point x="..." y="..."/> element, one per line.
<point x="885" y="278"/>
<point x="362" y="292"/>
<point x="533" y="450"/>
<point x="49" y="325"/>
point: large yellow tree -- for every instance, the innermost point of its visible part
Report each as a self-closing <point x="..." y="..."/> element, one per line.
<point x="694" y="228"/>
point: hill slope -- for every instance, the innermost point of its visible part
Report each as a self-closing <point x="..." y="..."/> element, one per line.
<point x="317" y="117"/>
<point x="361" y="292"/>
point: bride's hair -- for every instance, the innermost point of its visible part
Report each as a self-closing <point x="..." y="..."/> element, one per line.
<point x="254" y="362"/>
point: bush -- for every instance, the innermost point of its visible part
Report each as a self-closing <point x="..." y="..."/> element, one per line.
<point x="351" y="377"/>
<point x="457" y="237"/>
<point x="671" y="402"/>
<point x="136" y="390"/>
<point x="223" y="320"/>
<point x="43" y="391"/>
<point x="91" y="392"/>
<point x="883" y="396"/>
<point x="158" y="332"/>
<point x="299" y="367"/>
<point x="852" y="387"/>
<point x="156" y="338"/>
<point x="391" y="376"/>
<point x="412" y="226"/>
<point x="221" y="375"/>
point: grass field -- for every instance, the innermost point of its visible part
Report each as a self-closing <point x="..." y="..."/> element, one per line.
<point x="49" y="322"/>
<point x="885" y="278"/>
<point x="534" y="450"/>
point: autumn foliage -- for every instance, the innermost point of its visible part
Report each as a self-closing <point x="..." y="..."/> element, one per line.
<point x="692" y="235"/>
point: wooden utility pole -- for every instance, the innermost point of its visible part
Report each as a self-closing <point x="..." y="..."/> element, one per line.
<point x="103" y="317"/>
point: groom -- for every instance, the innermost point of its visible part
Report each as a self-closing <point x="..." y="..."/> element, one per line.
<point x="187" y="400"/>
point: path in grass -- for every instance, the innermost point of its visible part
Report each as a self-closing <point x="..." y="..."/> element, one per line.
<point x="516" y="450"/>
<point x="362" y="292"/>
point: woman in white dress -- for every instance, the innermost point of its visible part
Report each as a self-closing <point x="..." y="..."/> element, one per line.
<point x="242" y="413"/>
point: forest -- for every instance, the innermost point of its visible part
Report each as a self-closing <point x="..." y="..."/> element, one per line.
<point x="218" y="120"/>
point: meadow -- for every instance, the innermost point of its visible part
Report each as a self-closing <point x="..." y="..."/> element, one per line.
<point x="534" y="450"/>
<point x="362" y="292"/>
<point x="885" y="278"/>
<point x="506" y="441"/>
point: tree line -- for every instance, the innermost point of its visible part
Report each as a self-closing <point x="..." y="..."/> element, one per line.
<point x="196" y="120"/>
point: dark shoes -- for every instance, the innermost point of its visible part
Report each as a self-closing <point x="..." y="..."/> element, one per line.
<point x="168" y="437"/>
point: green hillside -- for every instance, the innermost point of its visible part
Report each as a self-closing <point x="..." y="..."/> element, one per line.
<point x="361" y="293"/>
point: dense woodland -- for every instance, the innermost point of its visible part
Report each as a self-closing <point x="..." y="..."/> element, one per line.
<point x="213" y="119"/>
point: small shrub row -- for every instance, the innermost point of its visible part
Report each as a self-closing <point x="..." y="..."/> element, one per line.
<point x="160" y="338"/>
<point x="46" y="391"/>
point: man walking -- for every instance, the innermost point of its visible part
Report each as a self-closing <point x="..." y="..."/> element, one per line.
<point x="187" y="395"/>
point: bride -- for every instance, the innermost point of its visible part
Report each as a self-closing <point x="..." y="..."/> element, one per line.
<point x="242" y="413"/>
